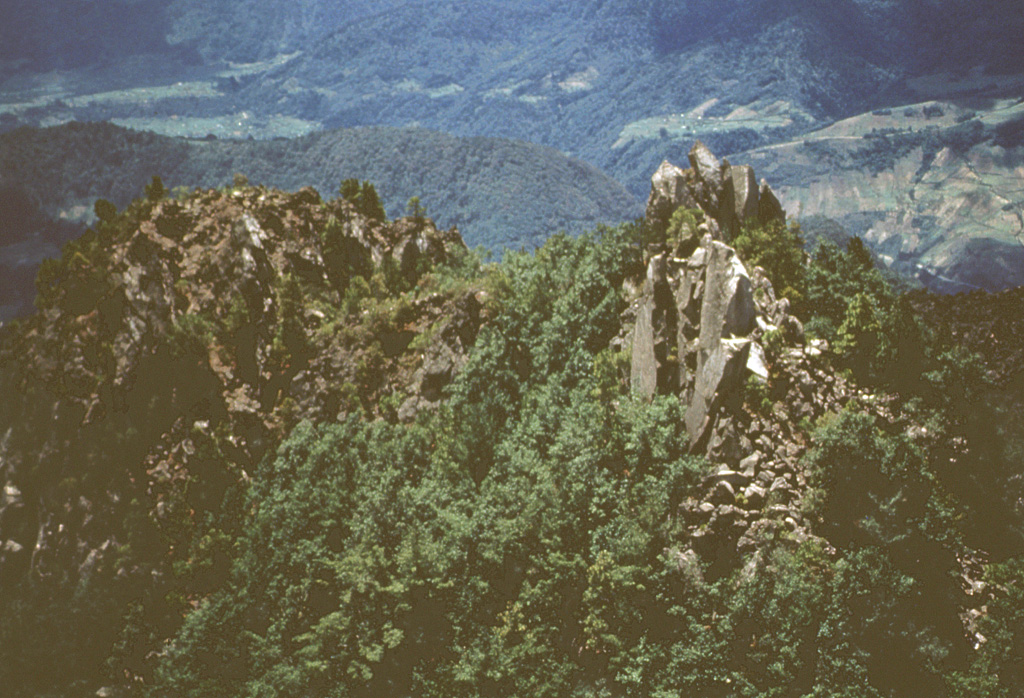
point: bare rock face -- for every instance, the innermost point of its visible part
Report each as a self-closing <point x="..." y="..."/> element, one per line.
<point x="693" y="330"/>
<point x="644" y="369"/>
<point x="654" y="367"/>
<point x="719" y="375"/>
<point x="727" y="318"/>
<point x="728" y="308"/>
<point x="744" y="185"/>
<point x="727" y="195"/>
<point x="706" y="165"/>
<point x="669" y="191"/>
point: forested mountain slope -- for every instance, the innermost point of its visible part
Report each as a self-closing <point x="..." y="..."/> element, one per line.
<point x="619" y="84"/>
<point x="616" y="83"/>
<point x="267" y="443"/>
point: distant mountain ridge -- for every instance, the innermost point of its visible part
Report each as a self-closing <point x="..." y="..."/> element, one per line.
<point x="585" y="77"/>
<point x="498" y="192"/>
<point x="621" y="85"/>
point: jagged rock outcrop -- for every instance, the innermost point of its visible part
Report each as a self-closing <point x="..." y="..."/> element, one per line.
<point x="671" y="187"/>
<point x="697" y="330"/>
<point x="697" y="323"/>
<point x="712" y="332"/>
<point x="727" y="195"/>
<point x="183" y="340"/>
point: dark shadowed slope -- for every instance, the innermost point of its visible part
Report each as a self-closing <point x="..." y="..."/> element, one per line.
<point x="500" y="193"/>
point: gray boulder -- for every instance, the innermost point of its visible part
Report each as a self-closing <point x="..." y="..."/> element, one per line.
<point x="706" y="166"/>
<point x="669" y="191"/>
<point x="718" y="374"/>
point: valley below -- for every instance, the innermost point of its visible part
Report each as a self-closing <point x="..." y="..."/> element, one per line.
<point x="921" y="159"/>
<point x="935" y="188"/>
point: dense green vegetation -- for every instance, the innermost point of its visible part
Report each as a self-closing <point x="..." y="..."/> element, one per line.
<point x="843" y="298"/>
<point x="874" y="335"/>
<point x="522" y="541"/>
<point x="526" y="538"/>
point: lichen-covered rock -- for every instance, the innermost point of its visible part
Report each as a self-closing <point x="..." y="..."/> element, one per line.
<point x="717" y="376"/>
<point x="746" y="199"/>
<point x="704" y="306"/>
<point x="728" y="307"/>
<point x="644" y="366"/>
<point x="654" y="366"/>
<point x="669" y="191"/>
<point x="707" y="167"/>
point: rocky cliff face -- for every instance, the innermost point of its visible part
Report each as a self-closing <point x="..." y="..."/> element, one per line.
<point x="726" y="195"/>
<point x="700" y="319"/>
<point x="699" y="327"/>
<point x="707" y="329"/>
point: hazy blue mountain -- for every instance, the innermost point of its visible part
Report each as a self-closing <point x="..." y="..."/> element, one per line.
<point x="619" y="84"/>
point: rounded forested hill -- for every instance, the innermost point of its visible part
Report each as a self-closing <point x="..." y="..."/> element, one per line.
<point x="498" y="192"/>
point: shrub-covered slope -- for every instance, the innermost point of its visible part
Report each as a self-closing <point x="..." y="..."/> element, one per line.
<point x="266" y="444"/>
<point x="176" y="343"/>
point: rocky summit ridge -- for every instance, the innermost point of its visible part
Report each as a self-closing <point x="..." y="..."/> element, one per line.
<point x="704" y="328"/>
<point x="179" y="343"/>
<point x="193" y="331"/>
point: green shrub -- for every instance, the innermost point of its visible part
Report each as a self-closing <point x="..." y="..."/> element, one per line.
<point x="190" y="336"/>
<point x="155" y="190"/>
<point x="681" y="234"/>
<point x="757" y="396"/>
<point x="778" y="249"/>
